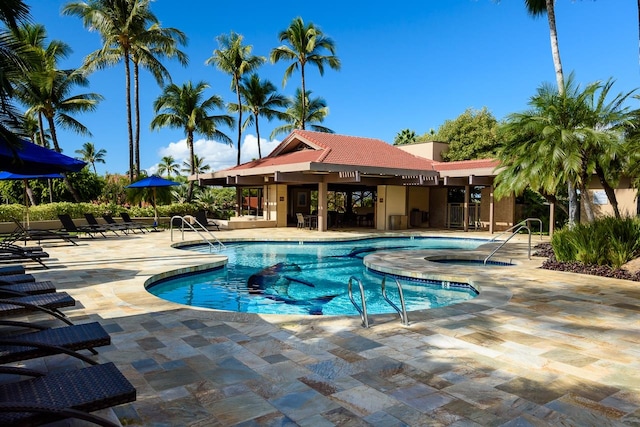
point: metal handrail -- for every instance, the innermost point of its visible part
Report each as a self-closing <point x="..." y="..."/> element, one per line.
<point x="523" y="222"/>
<point x="204" y="239"/>
<point x="403" y="313"/>
<point x="363" y="310"/>
<point x="509" y="238"/>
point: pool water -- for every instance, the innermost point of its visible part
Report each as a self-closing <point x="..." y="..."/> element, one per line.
<point x="309" y="278"/>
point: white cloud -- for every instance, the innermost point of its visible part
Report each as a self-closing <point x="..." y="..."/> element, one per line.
<point x="219" y="156"/>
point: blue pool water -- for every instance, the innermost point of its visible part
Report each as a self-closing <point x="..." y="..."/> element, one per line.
<point x="309" y="278"/>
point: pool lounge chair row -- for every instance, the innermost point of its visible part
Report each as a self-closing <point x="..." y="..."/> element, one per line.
<point x="94" y="228"/>
<point x="46" y="397"/>
<point x="11" y="253"/>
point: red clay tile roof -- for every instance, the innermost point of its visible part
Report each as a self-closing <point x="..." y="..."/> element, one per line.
<point x="466" y="164"/>
<point x="303" y="146"/>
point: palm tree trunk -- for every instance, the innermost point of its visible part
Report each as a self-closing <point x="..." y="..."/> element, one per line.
<point x="609" y="191"/>
<point x="192" y="157"/>
<point x="129" y="125"/>
<point x="586" y="203"/>
<point x="304" y="97"/>
<point x="555" y="49"/>
<point x="136" y="97"/>
<point x="43" y="141"/>
<point x="235" y="80"/>
<point x="258" y="134"/>
<point x="54" y="138"/>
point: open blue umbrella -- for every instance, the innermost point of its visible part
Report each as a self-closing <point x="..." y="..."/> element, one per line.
<point x="15" y="176"/>
<point x="32" y="159"/>
<point x="153" y="182"/>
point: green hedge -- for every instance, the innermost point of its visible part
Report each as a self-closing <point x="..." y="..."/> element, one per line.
<point x="607" y="241"/>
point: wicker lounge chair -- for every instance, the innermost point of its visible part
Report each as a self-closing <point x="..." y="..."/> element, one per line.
<point x="11" y="269"/>
<point x="31" y="288"/>
<point x="201" y="217"/>
<point x="68" y="394"/>
<point x="23" y="234"/>
<point x="13" y="253"/>
<point x="18" y="278"/>
<point x="70" y="227"/>
<point x="49" y="341"/>
<point x="47" y="303"/>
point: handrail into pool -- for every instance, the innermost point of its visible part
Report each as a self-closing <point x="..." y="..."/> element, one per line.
<point x="403" y="313"/>
<point x="363" y="310"/>
<point x="509" y="238"/>
<point x="523" y="222"/>
<point x="204" y="239"/>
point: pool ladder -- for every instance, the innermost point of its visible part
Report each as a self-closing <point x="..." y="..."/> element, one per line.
<point x="363" y="310"/>
<point x="184" y="223"/>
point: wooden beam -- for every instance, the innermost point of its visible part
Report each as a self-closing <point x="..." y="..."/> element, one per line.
<point x="457" y="181"/>
<point x="481" y="180"/>
<point x="246" y="180"/>
<point x="297" y="177"/>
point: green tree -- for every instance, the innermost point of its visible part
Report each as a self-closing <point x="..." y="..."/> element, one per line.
<point x="472" y="135"/>
<point x="169" y="166"/>
<point x="46" y="90"/>
<point x="235" y="58"/>
<point x="306" y="45"/>
<point x="118" y="22"/>
<point x="405" y="136"/>
<point x="184" y="107"/>
<point x="89" y="154"/>
<point x="315" y="112"/>
<point x="260" y="100"/>
<point x="197" y="167"/>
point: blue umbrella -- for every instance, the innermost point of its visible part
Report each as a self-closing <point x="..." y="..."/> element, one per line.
<point x="32" y="159"/>
<point x="15" y="176"/>
<point x="152" y="182"/>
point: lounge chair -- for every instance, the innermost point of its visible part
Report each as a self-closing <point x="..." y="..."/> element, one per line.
<point x="201" y="217"/>
<point x="93" y="222"/>
<point x="23" y="234"/>
<point x="123" y="225"/>
<point x="139" y="225"/>
<point x="13" y="253"/>
<point x="66" y="394"/>
<point x="46" y="303"/>
<point x="18" y="278"/>
<point x="11" y="269"/>
<point x="47" y="341"/>
<point x="70" y="227"/>
<point x="30" y="288"/>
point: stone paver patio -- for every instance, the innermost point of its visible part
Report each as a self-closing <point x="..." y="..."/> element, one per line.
<point x="534" y="348"/>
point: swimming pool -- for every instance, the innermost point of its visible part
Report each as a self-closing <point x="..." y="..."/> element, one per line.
<point x="309" y="278"/>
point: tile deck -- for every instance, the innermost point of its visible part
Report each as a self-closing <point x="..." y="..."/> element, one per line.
<point x="535" y="348"/>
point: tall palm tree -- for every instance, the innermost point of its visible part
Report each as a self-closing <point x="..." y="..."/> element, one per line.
<point x="148" y="47"/>
<point x="405" y="136"/>
<point x="260" y="100"/>
<point x="89" y="154"/>
<point x="315" y="112"/>
<point x="46" y="90"/>
<point x="184" y="107"/>
<point x="235" y="58"/>
<point x="306" y="44"/>
<point x="169" y="166"/>
<point x="118" y="22"/>
<point x="197" y="167"/>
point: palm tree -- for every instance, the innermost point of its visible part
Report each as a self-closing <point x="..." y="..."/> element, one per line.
<point x="183" y="107"/>
<point x="89" y="154"/>
<point x="198" y="165"/>
<point x="168" y="164"/>
<point x="118" y="22"/>
<point x="405" y="136"/>
<point x="153" y="43"/>
<point x="306" y="45"/>
<point x="46" y="89"/>
<point x="316" y="110"/>
<point x="261" y="99"/>
<point x="233" y="57"/>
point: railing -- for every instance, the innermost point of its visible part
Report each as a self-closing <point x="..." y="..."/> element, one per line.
<point x="521" y="227"/>
<point x="363" y="310"/>
<point x="523" y="222"/>
<point x="184" y="222"/>
<point x="403" y="313"/>
<point x="455" y="214"/>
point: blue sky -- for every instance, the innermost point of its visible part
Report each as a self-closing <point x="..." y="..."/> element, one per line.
<point x="411" y="64"/>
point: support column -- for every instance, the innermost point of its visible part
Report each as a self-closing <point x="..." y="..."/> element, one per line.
<point x="238" y="201"/>
<point x="322" y="206"/>
<point x="465" y="208"/>
<point x="491" y="210"/>
<point x="552" y="219"/>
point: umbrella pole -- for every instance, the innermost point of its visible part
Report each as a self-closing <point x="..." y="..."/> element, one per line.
<point x="26" y="201"/>
<point x="155" y="208"/>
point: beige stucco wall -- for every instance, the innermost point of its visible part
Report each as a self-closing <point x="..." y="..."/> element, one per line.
<point x="626" y="196"/>
<point x="431" y="150"/>
<point x="418" y="198"/>
<point x="504" y="211"/>
<point x="438" y="207"/>
<point x="391" y="201"/>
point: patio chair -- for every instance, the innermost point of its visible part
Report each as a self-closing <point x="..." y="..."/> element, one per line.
<point x="23" y="234"/>
<point x="93" y="222"/>
<point x="45" y="303"/>
<point x="18" y="278"/>
<point x="69" y="226"/>
<point x="139" y="225"/>
<point x="30" y="288"/>
<point x="47" y="341"/>
<point x="11" y="269"/>
<point x="13" y="253"/>
<point x="201" y="217"/>
<point x="301" y="220"/>
<point x="123" y="225"/>
<point x="66" y="394"/>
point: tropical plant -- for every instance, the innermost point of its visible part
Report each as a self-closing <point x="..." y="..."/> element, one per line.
<point x="260" y="100"/>
<point x="235" y="58"/>
<point x="306" y="44"/>
<point x="405" y="136"/>
<point x="471" y="135"/>
<point x="169" y="166"/>
<point x="89" y="154"/>
<point x="197" y="167"/>
<point x="316" y="111"/>
<point x="183" y="107"/>
<point x="46" y="90"/>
